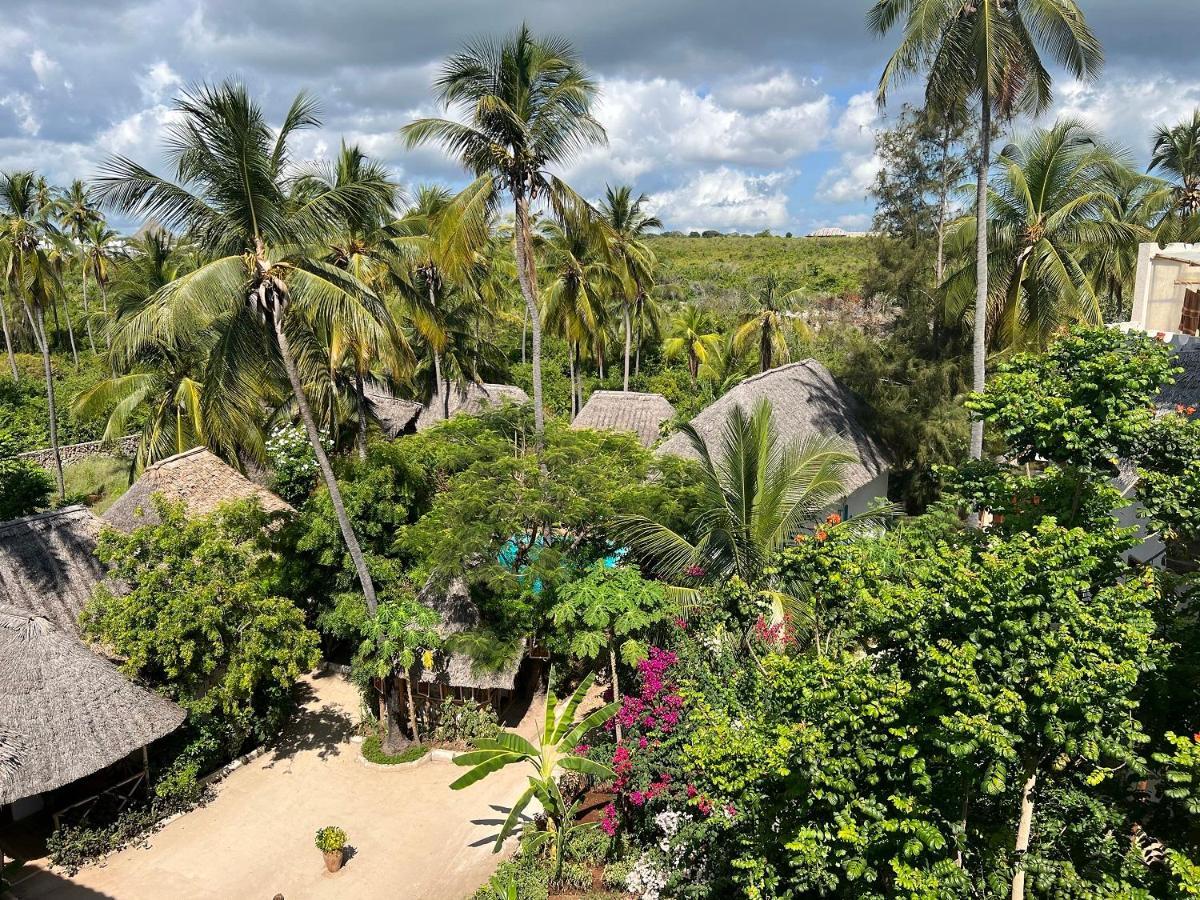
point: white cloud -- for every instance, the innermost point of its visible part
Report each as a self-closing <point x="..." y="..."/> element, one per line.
<point x="859" y="123"/>
<point x="855" y="221"/>
<point x="726" y="198"/>
<point x="850" y="180"/>
<point x="47" y="71"/>
<point x="158" y="82"/>
<point x="139" y="135"/>
<point x="1127" y="109"/>
<point x="21" y="106"/>
<point x="764" y="89"/>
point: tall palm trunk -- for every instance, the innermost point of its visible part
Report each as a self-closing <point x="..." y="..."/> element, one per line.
<point x="440" y="395"/>
<point x="527" y="276"/>
<point x="628" y="349"/>
<point x="979" y="345"/>
<point x="412" y="707"/>
<point x="104" y="309"/>
<point x="314" y="438"/>
<point x="8" y="344"/>
<point x="939" y="269"/>
<point x="44" y="346"/>
<point x="637" y="359"/>
<point x="87" y="313"/>
<point x="766" y="350"/>
<point x="571" y="377"/>
<point x="361" y="396"/>
<point x="616" y="687"/>
<point x="524" y="333"/>
<point x="70" y="331"/>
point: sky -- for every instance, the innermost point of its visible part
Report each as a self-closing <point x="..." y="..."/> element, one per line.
<point x="729" y="115"/>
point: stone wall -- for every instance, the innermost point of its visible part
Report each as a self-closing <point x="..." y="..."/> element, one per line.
<point x="72" y="453"/>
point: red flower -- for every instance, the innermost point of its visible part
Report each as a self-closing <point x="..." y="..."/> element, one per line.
<point x="821" y="534"/>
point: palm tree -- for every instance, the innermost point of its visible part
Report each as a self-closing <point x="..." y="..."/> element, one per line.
<point x="726" y="365"/>
<point x="693" y="334"/>
<point x="628" y="225"/>
<point x="581" y="274"/>
<point x="31" y="275"/>
<point x="1134" y="204"/>
<point x="258" y="291"/>
<point x="527" y="103"/>
<point x="1177" y="153"/>
<point x="99" y="249"/>
<point x="987" y="50"/>
<point x="767" y="324"/>
<point x="756" y="492"/>
<point x="77" y="215"/>
<point x="1046" y="213"/>
<point x="9" y="349"/>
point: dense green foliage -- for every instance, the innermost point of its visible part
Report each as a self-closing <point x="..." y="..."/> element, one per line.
<point x="24" y="485"/>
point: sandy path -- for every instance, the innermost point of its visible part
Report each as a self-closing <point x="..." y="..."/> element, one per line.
<point x="412" y="837"/>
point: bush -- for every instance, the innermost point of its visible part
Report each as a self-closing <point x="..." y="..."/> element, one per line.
<point x="372" y="751"/>
<point x="293" y="464"/>
<point x="71" y="847"/>
<point x="528" y="872"/>
<point x="464" y="723"/>
<point x="330" y="838"/>
<point x="25" y="487"/>
<point x="575" y="875"/>
<point x="617" y="873"/>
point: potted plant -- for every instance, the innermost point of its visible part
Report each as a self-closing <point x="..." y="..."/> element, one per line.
<point x="331" y="841"/>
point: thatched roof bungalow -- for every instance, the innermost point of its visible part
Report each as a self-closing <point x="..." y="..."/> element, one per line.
<point x="48" y="564"/>
<point x="396" y="415"/>
<point x="641" y="414"/>
<point x="198" y="479"/>
<point x="66" y="712"/>
<point x="805" y="401"/>
<point x="471" y="401"/>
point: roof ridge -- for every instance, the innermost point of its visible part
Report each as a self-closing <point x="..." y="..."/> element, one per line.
<point x="806" y="363"/>
<point x="178" y="456"/>
<point x="72" y="510"/>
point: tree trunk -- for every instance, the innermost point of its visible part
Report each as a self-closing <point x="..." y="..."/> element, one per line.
<point x="527" y="276"/>
<point x="524" y="332"/>
<point x="314" y="438"/>
<point x="361" y="396"/>
<point x="412" y="707"/>
<point x="1024" y="829"/>
<point x="104" y="307"/>
<point x="44" y="346"/>
<point x="979" y="345"/>
<point x="442" y="402"/>
<point x="766" y="355"/>
<point x="612" y="662"/>
<point x="943" y="208"/>
<point x="571" y="377"/>
<point x="637" y="359"/>
<point x="70" y="332"/>
<point x="628" y="349"/>
<point x="87" y="313"/>
<point x="8" y="344"/>
<point x="389" y="715"/>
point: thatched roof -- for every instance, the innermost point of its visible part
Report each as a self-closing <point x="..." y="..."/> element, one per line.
<point x="72" y="712"/>
<point x="48" y="564"/>
<point x="642" y="414"/>
<point x="805" y="401"/>
<point x="396" y="416"/>
<point x="197" y="478"/>
<point x="1186" y="389"/>
<point x="459" y="613"/>
<point x="471" y="401"/>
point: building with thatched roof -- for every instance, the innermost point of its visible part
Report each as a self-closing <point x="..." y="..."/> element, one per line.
<point x="396" y="416"/>
<point x="48" y="564"/>
<point x="472" y="401"/>
<point x="66" y="712"/>
<point x="805" y="401"/>
<point x="198" y="479"/>
<point x="641" y="414"/>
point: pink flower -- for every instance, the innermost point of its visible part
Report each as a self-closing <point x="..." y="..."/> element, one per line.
<point x="681" y="623"/>
<point x="694" y="572"/>
<point x="730" y="810"/>
<point x="643" y="743"/>
<point x="691" y="791"/>
<point x="609" y="824"/>
<point x="637" y="798"/>
<point x="581" y="750"/>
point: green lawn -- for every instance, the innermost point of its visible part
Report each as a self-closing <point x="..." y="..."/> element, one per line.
<point x="98" y="481"/>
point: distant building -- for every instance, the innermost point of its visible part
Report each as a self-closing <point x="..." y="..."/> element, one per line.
<point x="640" y="414"/>
<point x="805" y="400"/>
<point x="471" y="401"/>
<point x="835" y="232"/>
<point x="1166" y="293"/>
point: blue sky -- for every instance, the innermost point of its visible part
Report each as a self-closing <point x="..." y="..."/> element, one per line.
<point x="730" y="115"/>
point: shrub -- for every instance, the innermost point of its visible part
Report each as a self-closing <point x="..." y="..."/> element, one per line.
<point x="616" y="873"/>
<point x="25" y="486"/>
<point x="528" y="871"/>
<point x="373" y="752"/>
<point x="574" y="875"/>
<point x="464" y="723"/>
<point x="330" y="838"/>
<point x="293" y="463"/>
<point x="71" y="847"/>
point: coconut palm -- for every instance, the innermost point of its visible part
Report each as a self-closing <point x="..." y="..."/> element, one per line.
<point x="31" y="276"/>
<point x="9" y="349"/>
<point x="628" y="225"/>
<point x="726" y="365"/>
<point x="1177" y="154"/>
<point x="987" y="50"/>
<point x="581" y="276"/>
<point x="756" y="492"/>
<point x="1047" y="205"/>
<point x="259" y="290"/>
<point x="527" y="102"/>
<point x="693" y="334"/>
<point x="76" y="214"/>
<point x="766" y="325"/>
<point x="100" y="246"/>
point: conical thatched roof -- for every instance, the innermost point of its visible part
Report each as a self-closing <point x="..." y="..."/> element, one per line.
<point x="459" y="613"/>
<point x="68" y="711"/>
<point x="396" y="416"/>
<point x="472" y="401"/>
<point x="1186" y="389"/>
<point x="197" y="478"/>
<point x="805" y="401"/>
<point x="642" y="414"/>
<point x="48" y="564"/>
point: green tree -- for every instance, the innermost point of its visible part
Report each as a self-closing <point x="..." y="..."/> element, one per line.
<point x="693" y="335"/>
<point x="988" y="51"/>
<point x="1176" y="152"/>
<point x="1168" y="460"/>
<point x="555" y="752"/>
<point x="767" y="324"/>
<point x="607" y="608"/>
<point x="628" y="224"/>
<point x="197" y="617"/>
<point x="528" y="105"/>
<point x="25" y="487"/>
<point x="235" y="193"/>
<point x="77" y="214"/>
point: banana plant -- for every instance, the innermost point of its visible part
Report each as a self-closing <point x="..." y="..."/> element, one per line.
<point x="558" y="739"/>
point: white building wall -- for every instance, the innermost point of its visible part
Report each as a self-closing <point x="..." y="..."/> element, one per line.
<point x="863" y="498"/>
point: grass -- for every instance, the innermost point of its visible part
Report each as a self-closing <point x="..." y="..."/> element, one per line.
<point x="97" y="481"/>
<point x="372" y="751"/>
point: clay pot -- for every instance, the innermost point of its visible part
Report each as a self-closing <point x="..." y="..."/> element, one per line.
<point x="334" y="859"/>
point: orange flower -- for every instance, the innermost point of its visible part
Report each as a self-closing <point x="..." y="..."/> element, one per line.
<point x="800" y="539"/>
<point x="1191" y="410"/>
<point x="821" y="534"/>
<point x="833" y="519"/>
